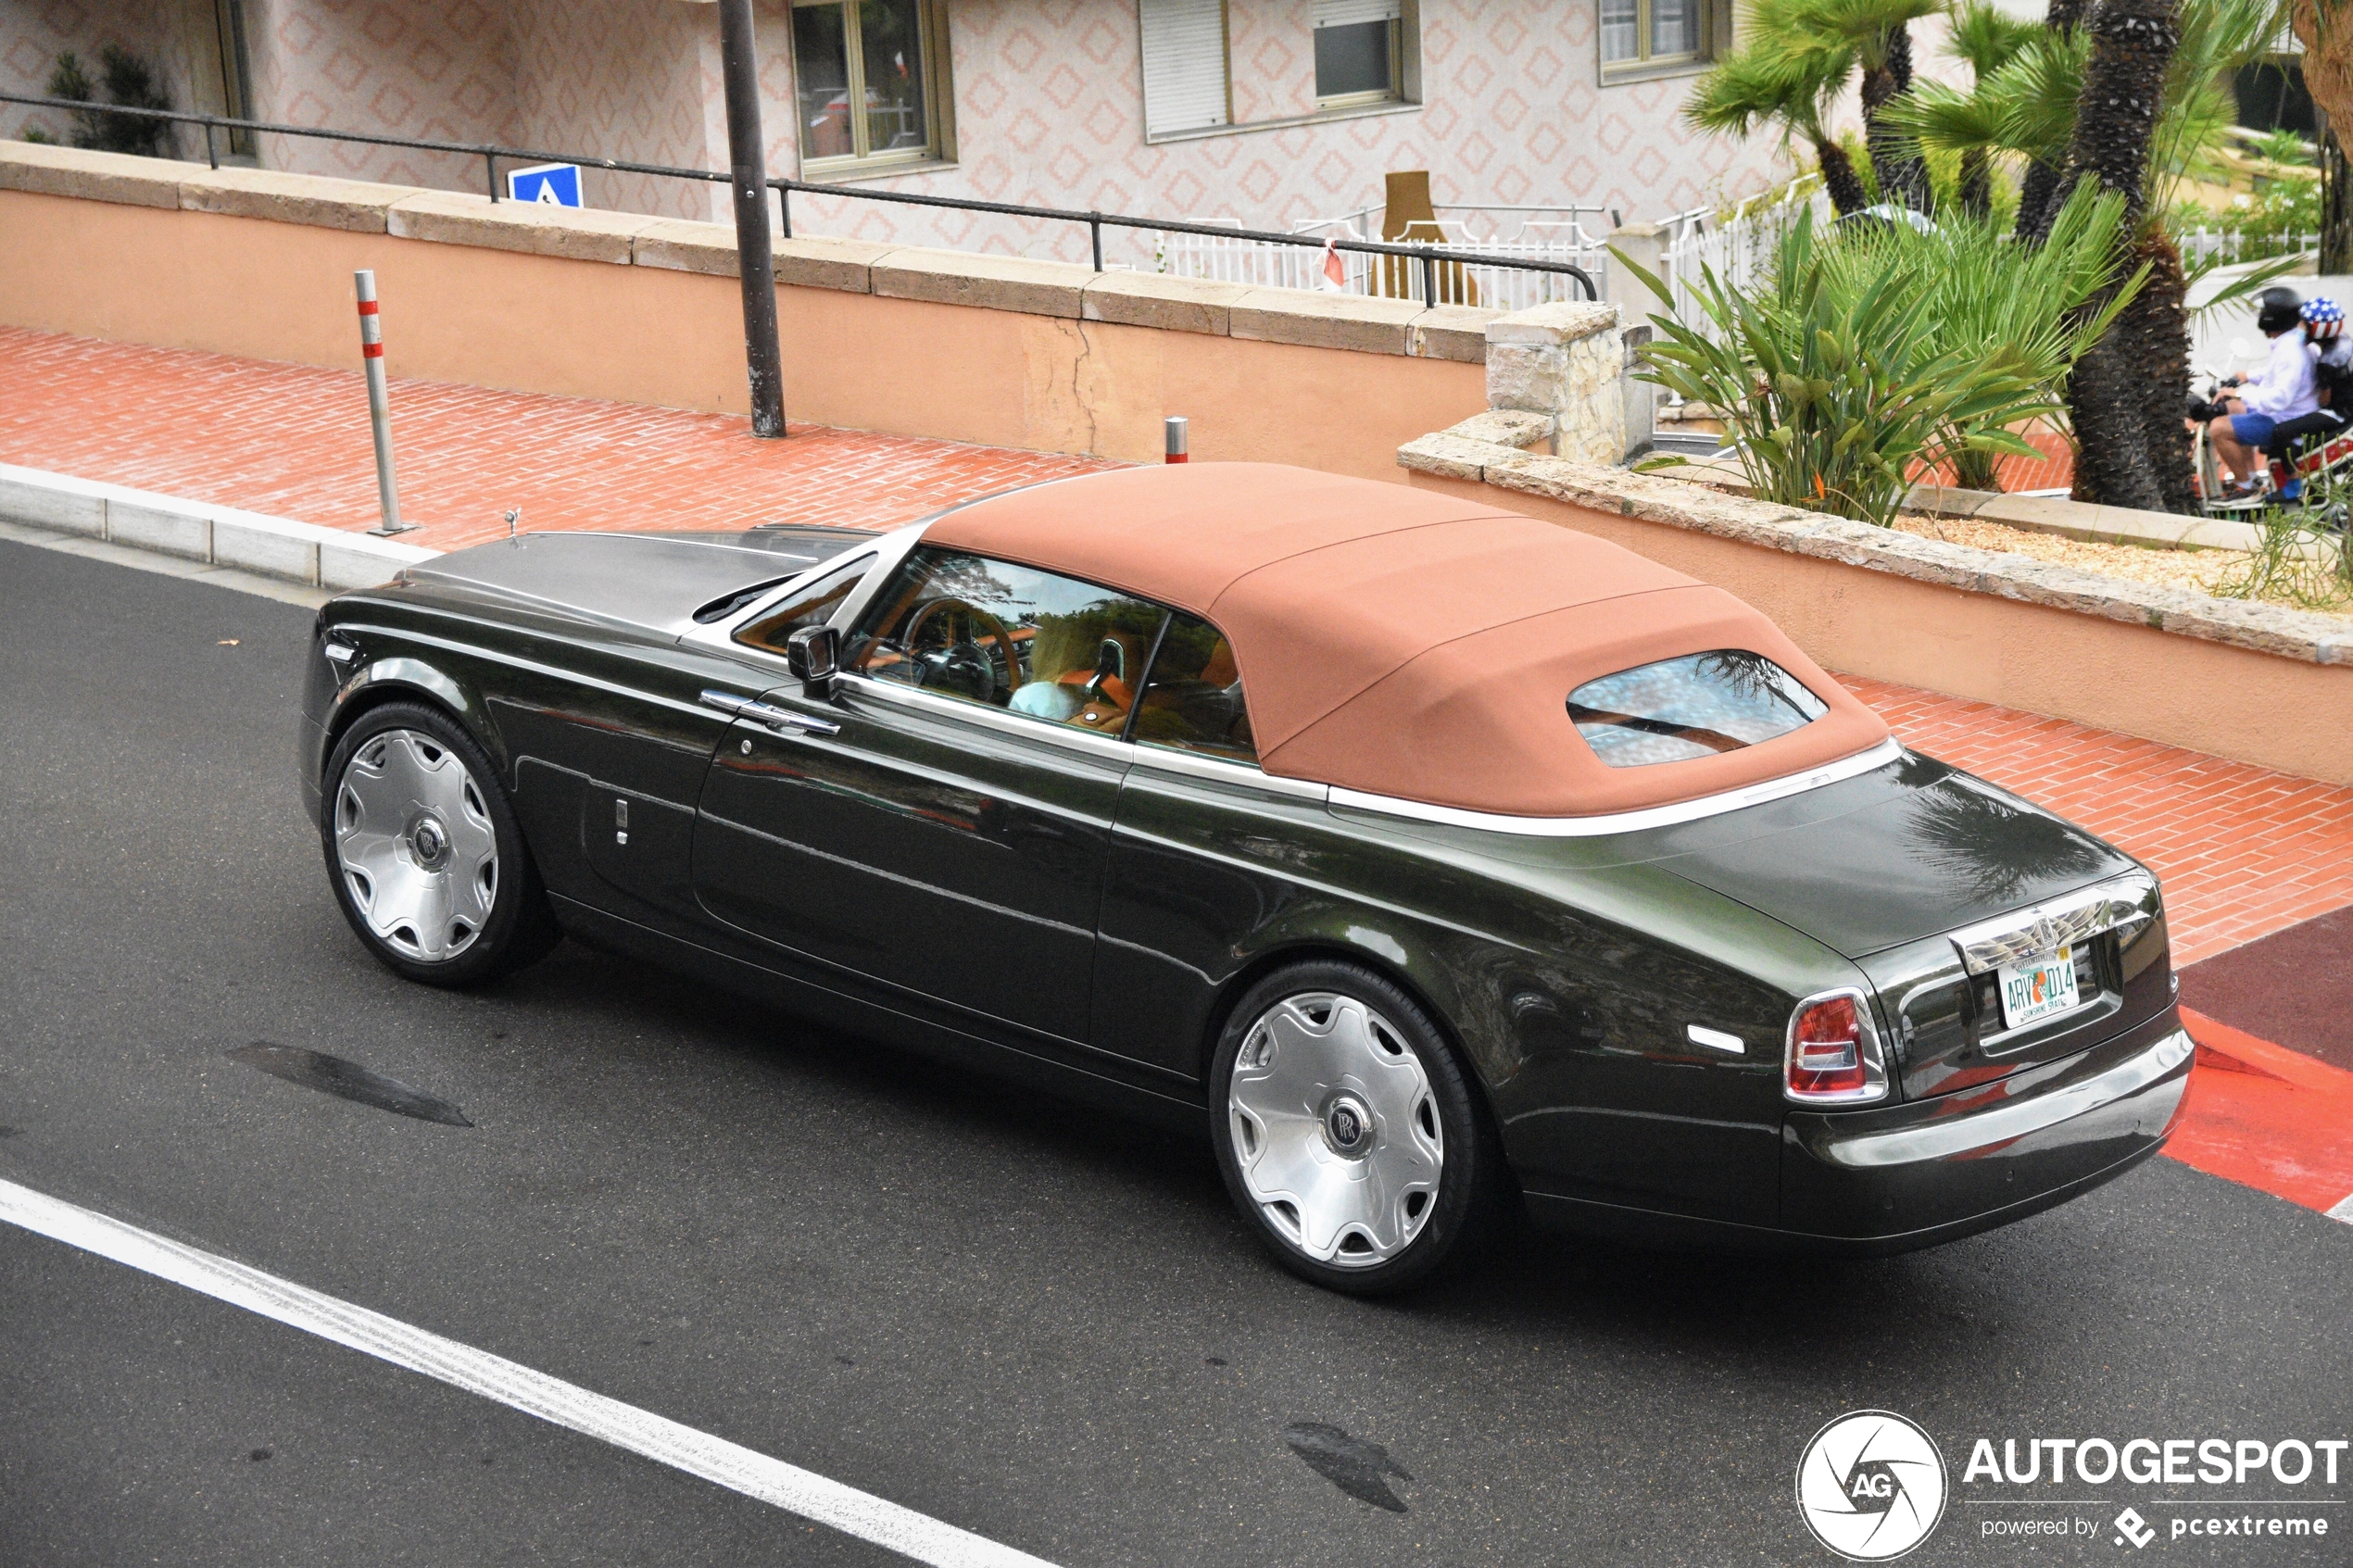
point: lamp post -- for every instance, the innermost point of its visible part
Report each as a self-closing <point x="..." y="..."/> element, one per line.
<point x="764" y="363"/>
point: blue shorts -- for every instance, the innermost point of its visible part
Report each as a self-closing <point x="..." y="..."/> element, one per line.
<point x="2252" y="430"/>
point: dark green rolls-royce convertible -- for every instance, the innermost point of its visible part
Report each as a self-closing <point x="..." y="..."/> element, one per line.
<point x="1430" y="858"/>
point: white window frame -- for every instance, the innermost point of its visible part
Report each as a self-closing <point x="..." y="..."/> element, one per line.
<point x="1713" y="27"/>
<point x="939" y="99"/>
<point x="1395" y="92"/>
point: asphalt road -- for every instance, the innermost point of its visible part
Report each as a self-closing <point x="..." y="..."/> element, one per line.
<point x="1030" y="1320"/>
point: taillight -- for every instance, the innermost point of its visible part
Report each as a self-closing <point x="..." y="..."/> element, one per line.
<point x="1833" y="1056"/>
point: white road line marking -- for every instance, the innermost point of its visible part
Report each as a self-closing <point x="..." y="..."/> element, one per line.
<point x="738" y="1469"/>
<point x="2344" y="1211"/>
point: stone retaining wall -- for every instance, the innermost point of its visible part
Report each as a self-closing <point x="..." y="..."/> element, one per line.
<point x="996" y="349"/>
<point x="2253" y="682"/>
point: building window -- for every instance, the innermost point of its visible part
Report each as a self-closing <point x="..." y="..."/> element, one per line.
<point x="1360" y="49"/>
<point x="869" y="76"/>
<point x="1638" y="36"/>
<point x="1187" y="78"/>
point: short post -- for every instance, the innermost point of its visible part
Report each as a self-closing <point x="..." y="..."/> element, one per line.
<point x="371" y="353"/>
<point x="1175" y="426"/>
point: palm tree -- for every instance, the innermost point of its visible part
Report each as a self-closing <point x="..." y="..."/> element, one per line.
<point x="2041" y="173"/>
<point x="2125" y="457"/>
<point x="1785" y="79"/>
<point x="2328" y="73"/>
<point x="1879" y="33"/>
<point x="1986" y="38"/>
<point x="2121" y="94"/>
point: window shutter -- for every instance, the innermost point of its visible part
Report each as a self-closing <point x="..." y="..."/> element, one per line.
<point x="1350" y="13"/>
<point x="1183" y="64"/>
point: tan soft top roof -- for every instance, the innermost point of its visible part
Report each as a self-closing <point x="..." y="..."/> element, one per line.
<point x="1407" y="642"/>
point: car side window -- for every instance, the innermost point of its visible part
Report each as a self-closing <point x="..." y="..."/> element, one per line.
<point x="1028" y="642"/>
<point x="1193" y="698"/>
<point x="811" y="606"/>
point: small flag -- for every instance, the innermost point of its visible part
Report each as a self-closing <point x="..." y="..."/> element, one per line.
<point x="1335" y="271"/>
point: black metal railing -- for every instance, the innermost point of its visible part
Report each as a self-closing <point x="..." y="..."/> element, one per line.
<point x="1434" y="260"/>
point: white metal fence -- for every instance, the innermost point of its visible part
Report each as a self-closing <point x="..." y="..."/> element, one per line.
<point x="1576" y="234"/>
<point x="1736" y="246"/>
<point x="2226" y="245"/>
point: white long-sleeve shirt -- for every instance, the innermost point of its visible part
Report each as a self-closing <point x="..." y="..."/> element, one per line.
<point x="2284" y="387"/>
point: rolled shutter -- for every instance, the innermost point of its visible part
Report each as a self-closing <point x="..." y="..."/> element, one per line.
<point x="1183" y="64"/>
<point x="1349" y="13"/>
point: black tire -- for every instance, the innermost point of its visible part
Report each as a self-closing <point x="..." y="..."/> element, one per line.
<point x="520" y="927"/>
<point x="1471" y="1181"/>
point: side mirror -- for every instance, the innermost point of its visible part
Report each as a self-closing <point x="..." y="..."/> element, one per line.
<point x="813" y="655"/>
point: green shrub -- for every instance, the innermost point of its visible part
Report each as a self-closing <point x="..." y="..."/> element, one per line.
<point x="1876" y="349"/>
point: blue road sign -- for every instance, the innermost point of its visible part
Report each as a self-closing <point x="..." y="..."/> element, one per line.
<point x="557" y="185"/>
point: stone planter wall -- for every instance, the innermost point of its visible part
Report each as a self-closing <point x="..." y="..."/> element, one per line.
<point x="2250" y="682"/>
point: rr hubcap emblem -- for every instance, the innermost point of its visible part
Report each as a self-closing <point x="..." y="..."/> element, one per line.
<point x="1348" y="1126"/>
<point x="431" y="841"/>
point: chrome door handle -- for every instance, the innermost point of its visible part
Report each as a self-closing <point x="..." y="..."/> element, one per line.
<point x="786" y="718"/>
<point x="762" y="713"/>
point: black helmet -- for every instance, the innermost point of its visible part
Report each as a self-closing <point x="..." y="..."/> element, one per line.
<point x="2277" y="310"/>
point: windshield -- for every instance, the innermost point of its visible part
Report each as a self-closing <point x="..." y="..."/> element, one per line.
<point x="1696" y="706"/>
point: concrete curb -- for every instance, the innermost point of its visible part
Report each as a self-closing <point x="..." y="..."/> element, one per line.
<point x="199" y="531"/>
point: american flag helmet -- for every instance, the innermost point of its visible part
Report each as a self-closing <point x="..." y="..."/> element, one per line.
<point x="2324" y="318"/>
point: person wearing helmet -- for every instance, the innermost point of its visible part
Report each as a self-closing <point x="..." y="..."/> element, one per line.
<point x="2284" y="389"/>
<point x="2331" y="354"/>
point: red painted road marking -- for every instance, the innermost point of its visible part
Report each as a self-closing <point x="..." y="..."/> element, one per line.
<point x="2267" y="1117"/>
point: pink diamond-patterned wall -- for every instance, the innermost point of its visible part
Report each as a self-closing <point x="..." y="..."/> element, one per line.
<point x="1048" y="100"/>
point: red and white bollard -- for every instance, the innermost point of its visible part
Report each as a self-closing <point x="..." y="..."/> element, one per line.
<point x="1176" y="428"/>
<point x="371" y="353"/>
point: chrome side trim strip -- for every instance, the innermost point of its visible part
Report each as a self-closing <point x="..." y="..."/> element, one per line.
<point x="2123" y="901"/>
<point x="1862" y="762"/>
<point x="1220" y="769"/>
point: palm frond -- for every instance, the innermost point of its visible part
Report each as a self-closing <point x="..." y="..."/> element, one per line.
<point x="2035" y="92"/>
<point x="1862" y="24"/>
<point x="1945" y="119"/>
<point x="1772" y="80"/>
<point x="1986" y="37"/>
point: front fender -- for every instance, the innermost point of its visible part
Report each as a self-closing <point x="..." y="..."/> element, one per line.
<point x="391" y="678"/>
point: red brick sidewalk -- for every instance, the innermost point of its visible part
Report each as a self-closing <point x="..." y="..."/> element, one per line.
<point x="294" y="442"/>
<point x="2244" y="852"/>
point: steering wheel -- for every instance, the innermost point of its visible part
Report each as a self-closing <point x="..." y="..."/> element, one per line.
<point x="990" y="626"/>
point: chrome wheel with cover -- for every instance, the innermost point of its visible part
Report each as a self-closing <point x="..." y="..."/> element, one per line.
<point x="1346" y="1130"/>
<point x="427" y="861"/>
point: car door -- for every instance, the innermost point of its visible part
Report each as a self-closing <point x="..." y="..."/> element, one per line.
<point x="927" y="826"/>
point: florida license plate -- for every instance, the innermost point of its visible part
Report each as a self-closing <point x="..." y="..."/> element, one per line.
<point x="2037" y="988"/>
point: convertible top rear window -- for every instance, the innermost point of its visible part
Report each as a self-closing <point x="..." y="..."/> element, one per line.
<point x="1696" y="706"/>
